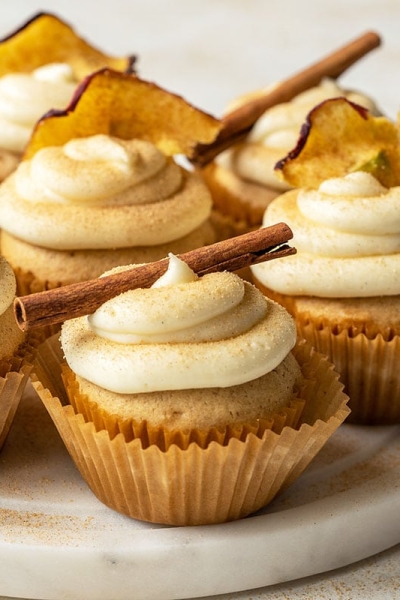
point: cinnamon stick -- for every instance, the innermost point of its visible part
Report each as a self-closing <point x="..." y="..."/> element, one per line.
<point x="78" y="299"/>
<point x="238" y="123"/>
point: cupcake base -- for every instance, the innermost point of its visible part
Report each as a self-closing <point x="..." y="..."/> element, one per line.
<point x="194" y="485"/>
<point x="365" y="351"/>
<point x="369" y="370"/>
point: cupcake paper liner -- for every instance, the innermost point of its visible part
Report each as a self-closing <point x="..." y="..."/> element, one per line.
<point x="369" y="370"/>
<point x="14" y="375"/>
<point x="366" y="360"/>
<point x="194" y="485"/>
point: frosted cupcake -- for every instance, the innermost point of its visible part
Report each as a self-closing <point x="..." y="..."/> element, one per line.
<point x="343" y="285"/>
<point x="15" y="353"/>
<point x="189" y="402"/>
<point x="40" y="67"/>
<point x="242" y="179"/>
<point x="99" y="186"/>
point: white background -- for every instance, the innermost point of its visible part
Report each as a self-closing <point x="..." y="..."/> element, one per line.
<point x="212" y="50"/>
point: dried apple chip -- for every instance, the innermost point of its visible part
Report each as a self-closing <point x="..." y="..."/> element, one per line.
<point x="47" y="39"/>
<point x="125" y="106"/>
<point x="340" y="137"/>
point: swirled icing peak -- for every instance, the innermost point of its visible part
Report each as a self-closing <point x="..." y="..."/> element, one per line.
<point x="88" y="170"/>
<point x="180" y="307"/>
<point x="100" y="192"/>
<point x="347" y="235"/>
<point x="277" y="132"/>
<point x="25" y="97"/>
<point x="280" y="125"/>
<point x="185" y="332"/>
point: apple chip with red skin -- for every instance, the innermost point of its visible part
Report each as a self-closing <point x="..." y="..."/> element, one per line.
<point x="47" y="39"/>
<point x="340" y="137"/>
<point x="124" y="106"/>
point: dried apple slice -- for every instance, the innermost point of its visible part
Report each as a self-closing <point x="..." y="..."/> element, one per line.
<point x="47" y="39"/>
<point x="340" y="137"/>
<point x="125" y="106"/>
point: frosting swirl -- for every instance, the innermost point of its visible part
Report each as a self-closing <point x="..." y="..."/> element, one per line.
<point x="7" y="285"/>
<point x="347" y="235"/>
<point x="276" y="133"/>
<point x="183" y="333"/>
<point x="102" y="192"/>
<point x="25" y="97"/>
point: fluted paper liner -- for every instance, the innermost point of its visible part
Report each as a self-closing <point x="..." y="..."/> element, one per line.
<point x="194" y="485"/>
<point x="163" y="437"/>
<point x="367" y="362"/>
<point x="369" y="370"/>
<point x="14" y="373"/>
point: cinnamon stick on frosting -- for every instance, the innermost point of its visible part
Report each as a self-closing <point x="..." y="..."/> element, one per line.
<point x="78" y="299"/>
<point x="238" y="123"/>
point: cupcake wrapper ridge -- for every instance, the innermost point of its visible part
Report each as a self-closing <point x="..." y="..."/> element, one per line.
<point x="194" y="485"/>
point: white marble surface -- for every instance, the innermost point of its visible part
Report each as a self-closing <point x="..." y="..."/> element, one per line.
<point x="342" y="510"/>
<point x="209" y="52"/>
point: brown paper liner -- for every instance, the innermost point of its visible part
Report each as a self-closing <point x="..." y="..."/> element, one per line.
<point x="194" y="485"/>
<point x="14" y="375"/>
<point x="369" y="370"/>
<point x="368" y="364"/>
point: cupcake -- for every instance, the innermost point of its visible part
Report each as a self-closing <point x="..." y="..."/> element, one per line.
<point x="15" y="353"/>
<point x="40" y="67"/>
<point x="242" y="179"/>
<point x="99" y="186"/>
<point x="343" y="285"/>
<point x="188" y="402"/>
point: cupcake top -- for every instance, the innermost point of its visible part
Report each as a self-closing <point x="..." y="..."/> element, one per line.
<point x="182" y="333"/>
<point x="25" y="97"/>
<point x="344" y="212"/>
<point x="276" y="132"/>
<point x="101" y="173"/>
<point x="347" y="236"/>
<point x="102" y="192"/>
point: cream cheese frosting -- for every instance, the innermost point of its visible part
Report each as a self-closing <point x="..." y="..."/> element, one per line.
<point x="25" y="97"/>
<point x="347" y="236"/>
<point x="183" y="333"/>
<point x="276" y="133"/>
<point x="102" y="192"/>
<point x="7" y="285"/>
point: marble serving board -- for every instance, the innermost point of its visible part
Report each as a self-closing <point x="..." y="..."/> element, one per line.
<point x="58" y="542"/>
